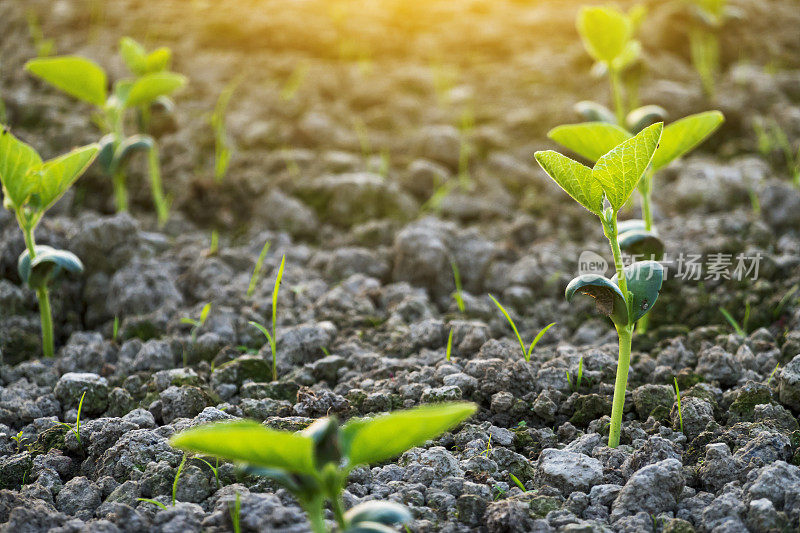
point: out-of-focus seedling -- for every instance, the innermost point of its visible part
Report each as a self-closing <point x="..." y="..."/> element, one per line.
<point x="44" y="47"/>
<point x="709" y="18"/>
<point x="272" y="337"/>
<point x="77" y="429"/>
<point x="458" y="294"/>
<point x="86" y="81"/>
<point x="31" y="186"/>
<point x="313" y="464"/>
<point x="526" y="352"/>
<point x="197" y="323"/>
<point x="771" y="138"/>
<point x="678" y="396"/>
<point x="449" y="349"/>
<point x="740" y="330"/>
<point x="256" y="275"/>
<point x="222" y="141"/>
<point x="603" y="190"/>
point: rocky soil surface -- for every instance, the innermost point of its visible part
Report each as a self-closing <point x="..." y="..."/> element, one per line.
<point x="347" y="120"/>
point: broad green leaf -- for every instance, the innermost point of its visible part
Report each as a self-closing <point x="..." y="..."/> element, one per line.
<point x="134" y="55"/>
<point x="629" y="55"/>
<point x="250" y="442"/>
<point x="607" y="295"/>
<point x="574" y="178"/>
<point x="644" y="279"/>
<point x="150" y="86"/>
<point x="589" y="139"/>
<point x="389" y="435"/>
<point x="685" y="134"/>
<point x="605" y="32"/>
<point x="16" y="160"/>
<point x="57" y="175"/>
<point x="76" y="76"/>
<point x="619" y="171"/>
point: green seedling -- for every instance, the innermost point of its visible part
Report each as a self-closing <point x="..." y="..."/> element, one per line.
<point x="177" y="477"/>
<point x="18" y="438"/>
<point x="772" y="374"/>
<point x="313" y="464"/>
<point x="465" y="148"/>
<point x="608" y="35"/>
<point x="740" y="330"/>
<point x="295" y="80"/>
<point x="578" y="377"/>
<point x="141" y="64"/>
<point x="222" y="142"/>
<point x="603" y="190"/>
<point x="213" y="247"/>
<point x="449" y="349"/>
<point x="115" y="329"/>
<point x="678" y="396"/>
<point x="154" y="502"/>
<point x="236" y="514"/>
<point x="785" y="299"/>
<point x="256" y="275"/>
<point x="197" y="323"/>
<point x="526" y="352"/>
<point x="272" y="337"/>
<point x="86" y="81"/>
<point x="770" y="138"/>
<point x="458" y="294"/>
<point x="31" y="186"/>
<point x="44" y="47"/>
<point x="77" y="429"/>
<point x="214" y="469"/>
<point x="517" y="482"/>
<point x="709" y="18"/>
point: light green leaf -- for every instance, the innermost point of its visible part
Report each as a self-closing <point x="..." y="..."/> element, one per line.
<point x="250" y="442"/>
<point x="16" y="160"/>
<point x="574" y="178"/>
<point x="386" y="436"/>
<point x="589" y="139"/>
<point x="150" y="86"/>
<point x="629" y="55"/>
<point x="159" y="59"/>
<point x="57" y="175"/>
<point x="685" y="134"/>
<point x="620" y="170"/>
<point x="134" y="55"/>
<point x="605" y="32"/>
<point x="76" y="76"/>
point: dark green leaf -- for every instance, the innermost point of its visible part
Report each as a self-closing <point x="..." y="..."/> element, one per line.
<point x="641" y="243"/>
<point x="607" y="295"/>
<point x="386" y="436"/>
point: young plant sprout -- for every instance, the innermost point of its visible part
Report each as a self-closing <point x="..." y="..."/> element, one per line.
<point x="18" y="438"/>
<point x="222" y="142"/>
<point x="709" y="17"/>
<point x="770" y="138"/>
<point x="197" y="323"/>
<point x="44" y="47"/>
<point x="236" y="512"/>
<point x="517" y="482"/>
<point x="77" y="429"/>
<point x="740" y="330"/>
<point x="608" y="36"/>
<point x="678" y="396"/>
<point x="256" y="275"/>
<point x="449" y="350"/>
<point x="31" y="187"/>
<point x="526" y="352"/>
<point x="603" y="190"/>
<point x="272" y="338"/>
<point x="578" y="378"/>
<point x="313" y="464"/>
<point x="86" y="81"/>
<point x="177" y="477"/>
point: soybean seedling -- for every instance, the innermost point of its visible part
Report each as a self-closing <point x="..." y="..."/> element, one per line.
<point x="678" y="396"/>
<point x="592" y="140"/>
<point x="313" y="464"/>
<point x="222" y="142"/>
<point x="457" y="295"/>
<point x="603" y="190"/>
<point x="709" y="18"/>
<point x="256" y="275"/>
<point x="608" y="36"/>
<point x="86" y="81"/>
<point x="18" y="438"/>
<point x="526" y="352"/>
<point x="31" y="186"/>
<point x="77" y="429"/>
<point x="272" y="338"/>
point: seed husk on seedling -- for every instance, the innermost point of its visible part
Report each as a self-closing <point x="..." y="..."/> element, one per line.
<point x="85" y="80"/>
<point x="31" y="186"/>
<point x="313" y="464"/>
<point x="603" y="190"/>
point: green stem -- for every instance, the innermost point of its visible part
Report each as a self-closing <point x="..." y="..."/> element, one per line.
<point x="42" y="294"/>
<point x="610" y="230"/>
<point x="625" y="334"/>
<point x="645" y="188"/>
<point x="315" y="516"/>
<point x="338" y="512"/>
<point x="616" y="91"/>
<point x="156" y="187"/>
<point x="120" y="191"/>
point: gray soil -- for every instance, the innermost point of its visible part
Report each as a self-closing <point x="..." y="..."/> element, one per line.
<point x="337" y="175"/>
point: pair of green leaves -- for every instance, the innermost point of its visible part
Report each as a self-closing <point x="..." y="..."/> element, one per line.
<point x="87" y="81"/>
<point x="360" y="441"/>
<point x="615" y="175"/>
<point x="644" y="280"/>
<point x="141" y="62"/>
<point x="592" y="140"/>
<point x="30" y="185"/>
<point x="607" y="34"/>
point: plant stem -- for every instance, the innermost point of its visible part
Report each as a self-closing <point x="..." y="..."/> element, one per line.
<point x="156" y="187"/>
<point x="616" y="91"/>
<point x="625" y="334"/>
<point x="338" y="511"/>
<point x="645" y="189"/>
<point x="45" y="312"/>
<point x="610" y="230"/>
<point x="313" y="509"/>
<point x="120" y="192"/>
